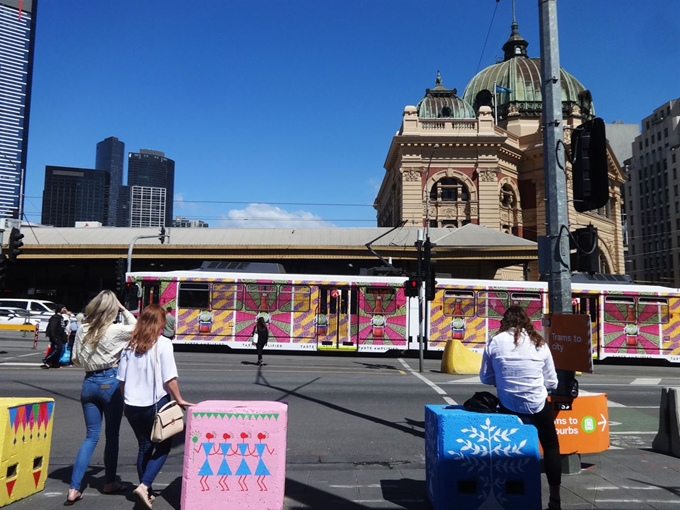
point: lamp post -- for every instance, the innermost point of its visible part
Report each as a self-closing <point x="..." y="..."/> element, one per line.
<point x="419" y="245"/>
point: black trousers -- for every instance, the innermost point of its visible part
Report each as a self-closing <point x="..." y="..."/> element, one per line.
<point x="55" y="355"/>
<point x="544" y="421"/>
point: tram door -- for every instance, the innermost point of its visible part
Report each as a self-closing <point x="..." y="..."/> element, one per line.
<point x="589" y="304"/>
<point x="336" y="319"/>
<point x="150" y="294"/>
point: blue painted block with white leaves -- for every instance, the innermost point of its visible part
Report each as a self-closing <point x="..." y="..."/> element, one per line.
<point x="480" y="461"/>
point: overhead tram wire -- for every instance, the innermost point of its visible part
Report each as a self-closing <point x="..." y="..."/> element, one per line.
<point x="493" y="16"/>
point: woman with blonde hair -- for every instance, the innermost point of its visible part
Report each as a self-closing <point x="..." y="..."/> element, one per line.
<point x="519" y="363"/>
<point x="97" y="347"/>
<point x="147" y="373"/>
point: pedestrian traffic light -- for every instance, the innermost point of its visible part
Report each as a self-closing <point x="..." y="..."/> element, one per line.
<point x="3" y="270"/>
<point x="121" y="266"/>
<point x="587" y="256"/>
<point x="161" y="235"/>
<point x="428" y="270"/>
<point x="15" y="244"/>
<point x="412" y="287"/>
<point x="590" y="169"/>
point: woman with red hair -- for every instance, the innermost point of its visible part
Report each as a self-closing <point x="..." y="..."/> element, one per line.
<point x="148" y="377"/>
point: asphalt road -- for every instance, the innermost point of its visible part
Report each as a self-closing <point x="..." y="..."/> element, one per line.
<point x="344" y="411"/>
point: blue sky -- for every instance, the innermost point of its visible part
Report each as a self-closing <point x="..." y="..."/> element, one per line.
<point x="281" y="112"/>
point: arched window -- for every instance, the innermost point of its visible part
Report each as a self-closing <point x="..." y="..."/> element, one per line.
<point x="450" y="189"/>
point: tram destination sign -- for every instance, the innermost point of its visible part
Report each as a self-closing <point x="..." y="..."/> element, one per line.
<point x="568" y="336"/>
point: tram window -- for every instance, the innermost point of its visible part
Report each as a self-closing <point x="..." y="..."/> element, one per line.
<point x="459" y="303"/>
<point x="619" y="309"/>
<point x="380" y="300"/>
<point x="531" y="302"/>
<point x="294" y="298"/>
<point x="227" y="296"/>
<point x="492" y="304"/>
<point x="260" y="297"/>
<point x="323" y="300"/>
<point x="652" y="310"/>
<point x="194" y="295"/>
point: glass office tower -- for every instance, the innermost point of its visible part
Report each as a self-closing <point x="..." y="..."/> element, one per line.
<point x="151" y="169"/>
<point x="110" y="157"/>
<point x="17" y="43"/>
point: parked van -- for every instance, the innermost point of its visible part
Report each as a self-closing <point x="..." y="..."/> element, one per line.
<point x="39" y="309"/>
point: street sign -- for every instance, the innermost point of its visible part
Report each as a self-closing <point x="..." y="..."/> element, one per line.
<point x="582" y="423"/>
<point x="568" y="336"/>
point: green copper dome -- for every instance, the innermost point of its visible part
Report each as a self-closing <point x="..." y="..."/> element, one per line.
<point x="515" y="84"/>
<point x="441" y="102"/>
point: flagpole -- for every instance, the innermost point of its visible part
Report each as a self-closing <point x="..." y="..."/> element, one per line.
<point x="495" y="102"/>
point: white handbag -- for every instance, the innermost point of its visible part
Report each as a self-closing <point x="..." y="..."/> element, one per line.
<point x="253" y="338"/>
<point x="169" y="419"/>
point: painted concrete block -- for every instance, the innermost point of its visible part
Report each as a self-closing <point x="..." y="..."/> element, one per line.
<point x="235" y="456"/>
<point x="480" y="461"/>
<point x="26" y="425"/>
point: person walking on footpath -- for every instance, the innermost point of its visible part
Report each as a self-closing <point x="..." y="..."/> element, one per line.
<point x="97" y="348"/>
<point x="148" y="377"/>
<point x="262" y="337"/>
<point x="56" y="332"/>
<point x="170" y="322"/>
<point x="519" y="363"/>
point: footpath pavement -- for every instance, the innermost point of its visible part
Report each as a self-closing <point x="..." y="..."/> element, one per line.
<point x="617" y="479"/>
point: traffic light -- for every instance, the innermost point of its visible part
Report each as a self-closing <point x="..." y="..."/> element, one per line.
<point x="589" y="166"/>
<point x="587" y="256"/>
<point x="121" y="266"/>
<point x="3" y="269"/>
<point x="412" y="287"/>
<point x="15" y="244"/>
<point x="161" y="235"/>
<point x="428" y="269"/>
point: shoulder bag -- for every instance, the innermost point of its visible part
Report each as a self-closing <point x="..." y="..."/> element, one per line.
<point x="253" y="338"/>
<point x="482" y="402"/>
<point x="169" y="419"/>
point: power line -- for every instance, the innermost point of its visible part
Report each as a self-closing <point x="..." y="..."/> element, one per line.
<point x="179" y="202"/>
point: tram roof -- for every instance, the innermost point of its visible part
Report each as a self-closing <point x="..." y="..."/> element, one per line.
<point x="471" y="235"/>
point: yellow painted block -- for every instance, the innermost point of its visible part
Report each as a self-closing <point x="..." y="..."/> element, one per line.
<point x="458" y="359"/>
<point x="26" y="425"/>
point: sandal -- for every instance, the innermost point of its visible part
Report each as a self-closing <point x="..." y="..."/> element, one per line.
<point x="70" y="502"/>
<point x="142" y="495"/>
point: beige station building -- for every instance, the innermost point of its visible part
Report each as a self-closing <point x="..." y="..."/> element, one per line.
<point x="478" y="158"/>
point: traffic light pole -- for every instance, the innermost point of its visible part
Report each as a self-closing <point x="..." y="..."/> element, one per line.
<point x="421" y="301"/>
<point x="557" y="219"/>
<point x="132" y="245"/>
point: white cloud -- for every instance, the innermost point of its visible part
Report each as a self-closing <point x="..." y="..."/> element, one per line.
<point x="267" y="216"/>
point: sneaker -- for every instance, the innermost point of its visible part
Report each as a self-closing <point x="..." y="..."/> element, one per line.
<point x="260" y="362"/>
<point x="44" y="366"/>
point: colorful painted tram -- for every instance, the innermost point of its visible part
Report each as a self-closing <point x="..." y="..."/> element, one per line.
<point x="372" y="314"/>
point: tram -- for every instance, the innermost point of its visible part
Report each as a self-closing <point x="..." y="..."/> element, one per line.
<point x="372" y="314"/>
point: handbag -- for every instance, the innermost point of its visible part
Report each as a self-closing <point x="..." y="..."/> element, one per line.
<point x="482" y="402"/>
<point x="253" y="338"/>
<point x="169" y="419"/>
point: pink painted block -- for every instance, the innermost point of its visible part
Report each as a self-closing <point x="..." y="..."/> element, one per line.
<point x="235" y="455"/>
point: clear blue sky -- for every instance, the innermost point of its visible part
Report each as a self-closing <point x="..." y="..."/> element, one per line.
<point x="282" y="111"/>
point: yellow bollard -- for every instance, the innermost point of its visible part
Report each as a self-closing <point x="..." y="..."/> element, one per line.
<point x="458" y="359"/>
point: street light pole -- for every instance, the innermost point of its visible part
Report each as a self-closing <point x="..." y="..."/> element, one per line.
<point x="422" y="303"/>
<point x="132" y="245"/>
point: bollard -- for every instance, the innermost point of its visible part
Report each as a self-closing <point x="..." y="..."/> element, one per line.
<point x="235" y="456"/>
<point x="480" y="461"/>
<point x="26" y="425"/>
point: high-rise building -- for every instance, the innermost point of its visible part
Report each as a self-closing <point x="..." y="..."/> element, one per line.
<point x="180" y="222"/>
<point x="17" y="43"/>
<point x="653" y="199"/>
<point x="123" y="207"/>
<point x="110" y="157"/>
<point x="74" y="194"/>
<point x="151" y="169"/>
<point x="147" y="206"/>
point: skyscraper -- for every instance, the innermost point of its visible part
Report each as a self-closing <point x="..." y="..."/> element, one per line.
<point x="74" y="194"/>
<point x="147" y="206"/>
<point x="110" y="154"/>
<point x="17" y="42"/>
<point x="151" y="169"/>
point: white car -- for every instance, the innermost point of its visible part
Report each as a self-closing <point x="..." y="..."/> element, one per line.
<point x="16" y="316"/>
<point x="39" y="309"/>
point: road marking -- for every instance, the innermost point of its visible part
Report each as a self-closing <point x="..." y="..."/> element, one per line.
<point x="627" y="487"/>
<point x="646" y="381"/>
<point x="632" y="432"/>
<point x="427" y="381"/>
